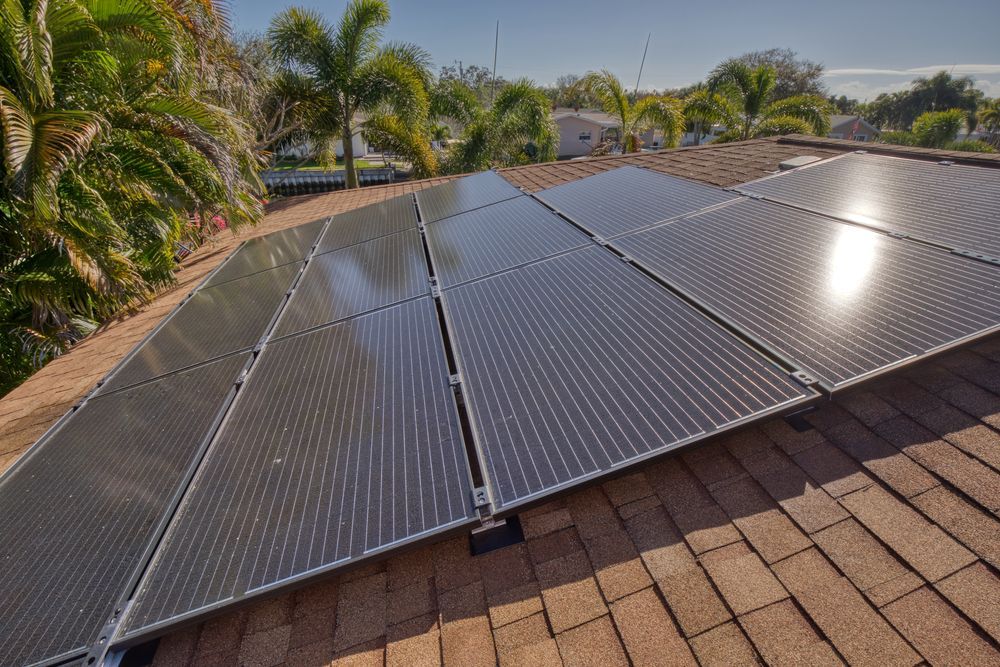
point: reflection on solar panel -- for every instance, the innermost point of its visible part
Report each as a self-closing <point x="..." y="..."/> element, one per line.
<point x="363" y="224"/>
<point x="952" y="205"/>
<point x="78" y="516"/>
<point x="628" y="198"/>
<point x="343" y="443"/>
<point x="578" y="365"/>
<point x="214" y="321"/>
<point x="464" y="194"/>
<point x="356" y="279"/>
<point x="498" y="237"/>
<point x="840" y="300"/>
<point x="267" y="252"/>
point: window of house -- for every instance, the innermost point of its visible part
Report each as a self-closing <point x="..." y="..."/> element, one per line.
<point x="861" y="137"/>
<point x="584" y="136"/>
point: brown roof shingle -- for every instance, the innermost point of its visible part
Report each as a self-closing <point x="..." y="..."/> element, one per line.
<point x="872" y="538"/>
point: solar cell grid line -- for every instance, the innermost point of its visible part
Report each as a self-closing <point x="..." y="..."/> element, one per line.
<point x="464" y="194"/>
<point x="81" y="513"/>
<point x="369" y="222"/>
<point x="497" y="237"/>
<point x="628" y="198"/>
<point x="356" y="279"/>
<point x="917" y="198"/>
<point x="344" y="443"/>
<point x="214" y="322"/>
<point x="841" y="301"/>
<point x="579" y="365"/>
<point x="266" y="252"/>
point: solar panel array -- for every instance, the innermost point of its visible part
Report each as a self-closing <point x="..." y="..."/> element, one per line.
<point x="335" y="391"/>
<point x="916" y="198"/>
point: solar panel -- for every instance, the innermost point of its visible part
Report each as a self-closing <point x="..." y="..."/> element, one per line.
<point x="497" y="237"/>
<point x="215" y="321"/>
<point x="364" y="224"/>
<point x="578" y="365"/>
<point x="840" y="300"/>
<point x="628" y="198"/>
<point x="267" y="252"/>
<point x="356" y="279"/>
<point x="464" y="194"/>
<point x="79" y="512"/>
<point x="343" y="443"/>
<point x="952" y="205"/>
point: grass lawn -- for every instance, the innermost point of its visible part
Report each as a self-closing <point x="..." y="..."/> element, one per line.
<point x="311" y="165"/>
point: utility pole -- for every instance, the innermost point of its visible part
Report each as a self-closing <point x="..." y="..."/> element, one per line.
<point x="496" y="44"/>
<point x="641" y="65"/>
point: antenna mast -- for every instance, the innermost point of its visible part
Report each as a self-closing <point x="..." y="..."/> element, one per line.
<point x="641" y="65"/>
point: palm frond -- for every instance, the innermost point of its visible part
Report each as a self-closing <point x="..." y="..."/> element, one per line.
<point x="812" y="109"/>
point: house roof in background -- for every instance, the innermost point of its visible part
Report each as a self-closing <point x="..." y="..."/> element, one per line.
<point x="596" y="117"/>
<point x="837" y="120"/>
<point x="873" y="537"/>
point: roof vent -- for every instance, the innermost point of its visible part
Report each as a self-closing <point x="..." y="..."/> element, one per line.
<point x="799" y="161"/>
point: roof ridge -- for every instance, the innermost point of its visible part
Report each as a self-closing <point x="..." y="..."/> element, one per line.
<point x="915" y="152"/>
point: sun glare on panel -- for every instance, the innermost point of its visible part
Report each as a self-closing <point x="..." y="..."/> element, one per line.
<point x="851" y="261"/>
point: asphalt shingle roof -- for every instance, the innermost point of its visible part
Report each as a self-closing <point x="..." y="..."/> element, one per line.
<point x="871" y="538"/>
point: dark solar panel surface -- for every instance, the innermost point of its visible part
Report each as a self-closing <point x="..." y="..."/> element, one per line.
<point x="267" y="252"/>
<point x="464" y="194"/>
<point x="344" y="441"/>
<point x="364" y="224"/>
<point x="498" y="237"/>
<point x="579" y="364"/>
<point x="215" y="321"/>
<point x="78" y="514"/>
<point x="842" y="300"/>
<point x="952" y="205"/>
<point x="628" y="198"/>
<point x="356" y="279"/>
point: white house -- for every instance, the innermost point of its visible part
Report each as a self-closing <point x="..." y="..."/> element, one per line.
<point x="852" y="127"/>
<point x="581" y="130"/>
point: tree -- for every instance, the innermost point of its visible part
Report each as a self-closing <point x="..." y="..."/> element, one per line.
<point x="355" y="76"/>
<point x="516" y="129"/>
<point x="843" y="105"/>
<point x="938" y="129"/>
<point x="635" y="117"/>
<point x="112" y="153"/>
<point x="478" y="78"/>
<point x="566" y="93"/>
<point x="742" y="102"/>
<point x="897" y="111"/>
<point x="793" y="75"/>
<point x="989" y="118"/>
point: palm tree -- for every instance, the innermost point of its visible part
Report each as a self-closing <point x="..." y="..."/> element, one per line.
<point x="516" y="129"/>
<point x="357" y="77"/>
<point x="744" y="104"/>
<point x="989" y="117"/>
<point x="635" y="118"/>
<point x="109" y="150"/>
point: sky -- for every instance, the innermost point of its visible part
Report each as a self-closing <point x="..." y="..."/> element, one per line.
<point x="867" y="46"/>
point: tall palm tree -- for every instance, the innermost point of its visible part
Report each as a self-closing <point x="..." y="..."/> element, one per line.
<point x="357" y="77"/>
<point x="743" y="103"/>
<point x="635" y="118"/>
<point x="516" y="129"/>
<point x="108" y="147"/>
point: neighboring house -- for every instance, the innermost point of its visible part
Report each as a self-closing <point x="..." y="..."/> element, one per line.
<point x="852" y="127"/>
<point x="581" y="130"/>
<point x="299" y="151"/>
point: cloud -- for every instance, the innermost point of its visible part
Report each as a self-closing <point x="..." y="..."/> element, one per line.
<point x="959" y="70"/>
